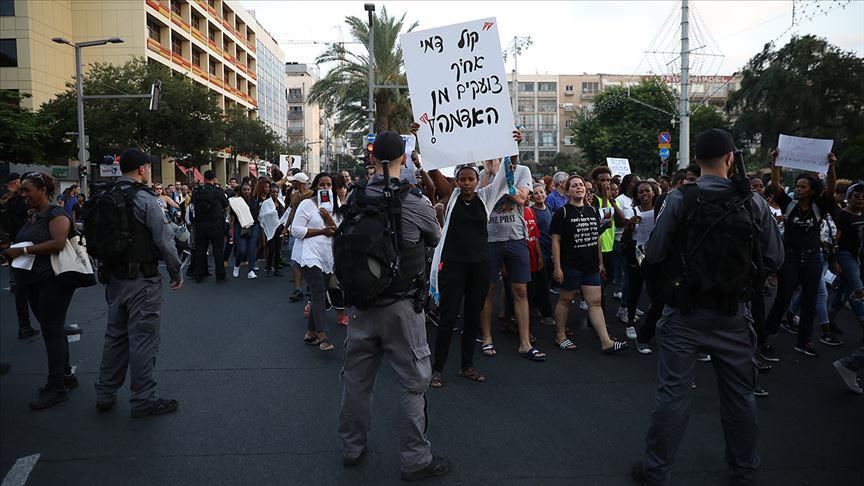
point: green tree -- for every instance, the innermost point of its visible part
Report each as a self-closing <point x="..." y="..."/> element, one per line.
<point x="23" y="135"/>
<point x="187" y="125"/>
<point x="344" y="90"/>
<point x="620" y="127"/>
<point x="806" y="88"/>
<point x="249" y="137"/>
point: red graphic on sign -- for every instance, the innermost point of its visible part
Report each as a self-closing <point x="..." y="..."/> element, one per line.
<point x="424" y="118"/>
<point x="487" y="25"/>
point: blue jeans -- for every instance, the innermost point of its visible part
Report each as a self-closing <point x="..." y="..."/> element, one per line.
<point x="246" y="246"/>
<point x="850" y="281"/>
<point x="821" y="300"/>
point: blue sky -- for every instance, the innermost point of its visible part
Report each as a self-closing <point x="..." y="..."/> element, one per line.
<point x="588" y="36"/>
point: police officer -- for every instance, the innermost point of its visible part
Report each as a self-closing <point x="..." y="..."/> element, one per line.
<point x="394" y="327"/>
<point x="727" y="336"/>
<point x="134" y="295"/>
<point x="209" y="204"/>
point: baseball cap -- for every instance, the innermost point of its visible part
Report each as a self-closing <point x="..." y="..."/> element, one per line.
<point x="133" y="158"/>
<point x="298" y="177"/>
<point x="13" y="176"/>
<point x="388" y="146"/>
<point x="713" y="143"/>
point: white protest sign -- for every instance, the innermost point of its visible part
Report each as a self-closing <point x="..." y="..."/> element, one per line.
<point x="810" y="154"/>
<point x="618" y="166"/>
<point x="112" y="170"/>
<point x="459" y="93"/>
<point x="284" y="165"/>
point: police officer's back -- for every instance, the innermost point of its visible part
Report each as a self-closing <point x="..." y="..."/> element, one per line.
<point x="209" y="203"/>
<point x="395" y="326"/>
<point x="134" y="295"/>
<point x="694" y="235"/>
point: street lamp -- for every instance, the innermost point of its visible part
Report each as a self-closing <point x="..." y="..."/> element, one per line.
<point x="370" y="9"/>
<point x="79" y="89"/>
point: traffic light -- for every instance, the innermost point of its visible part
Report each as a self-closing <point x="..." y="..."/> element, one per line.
<point x="82" y="171"/>
<point x="369" y="154"/>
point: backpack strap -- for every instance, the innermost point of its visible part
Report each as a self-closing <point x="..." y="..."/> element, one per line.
<point x="813" y="207"/>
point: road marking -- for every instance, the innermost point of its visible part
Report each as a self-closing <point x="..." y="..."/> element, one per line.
<point x="17" y="476"/>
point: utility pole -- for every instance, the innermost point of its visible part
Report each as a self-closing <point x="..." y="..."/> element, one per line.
<point x="370" y="9"/>
<point x="684" y="101"/>
<point x="516" y="47"/>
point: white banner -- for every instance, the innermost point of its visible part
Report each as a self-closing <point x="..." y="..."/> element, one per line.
<point x="112" y="170"/>
<point x="618" y="166"/>
<point x="288" y="162"/>
<point x="810" y="154"/>
<point x="459" y="93"/>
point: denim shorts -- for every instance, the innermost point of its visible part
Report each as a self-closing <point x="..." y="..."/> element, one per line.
<point x="574" y="279"/>
<point x="515" y="258"/>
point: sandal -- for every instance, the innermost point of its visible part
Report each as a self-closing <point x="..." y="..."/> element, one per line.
<point x="616" y="347"/>
<point x="488" y="350"/>
<point x="568" y="345"/>
<point x="436" y="381"/>
<point x="533" y="354"/>
<point x="472" y="374"/>
<point x="325" y="345"/>
<point x="310" y="339"/>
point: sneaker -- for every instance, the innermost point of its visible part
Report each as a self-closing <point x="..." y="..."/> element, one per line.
<point x="251" y="275"/>
<point x="850" y="378"/>
<point x="157" y="407"/>
<point x="354" y="461"/>
<point x="631" y="332"/>
<point x="704" y="358"/>
<point x="829" y="339"/>
<point x="789" y="327"/>
<point x="643" y="348"/>
<point x="807" y="350"/>
<point x="767" y="353"/>
<point x="548" y="321"/>
<point x="622" y="315"/>
<point x="437" y="467"/>
<point x="236" y="272"/>
<point x="295" y="296"/>
<point x="49" y="398"/>
<point x="105" y="405"/>
<point x="796" y="319"/>
<point x="617" y="295"/>
<point x="763" y="367"/>
<point x="27" y="332"/>
<point x="583" y="305"/>
<point x="760" y="392"/>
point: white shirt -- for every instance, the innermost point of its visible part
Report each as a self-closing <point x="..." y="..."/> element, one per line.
<point x="316" y="251"/>
<point x="625" y="204"/>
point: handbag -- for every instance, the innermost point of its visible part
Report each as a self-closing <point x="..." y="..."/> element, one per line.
<point x="72" y="266"/>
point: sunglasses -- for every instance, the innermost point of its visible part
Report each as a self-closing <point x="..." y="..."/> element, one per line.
<point x="34" y="175"/>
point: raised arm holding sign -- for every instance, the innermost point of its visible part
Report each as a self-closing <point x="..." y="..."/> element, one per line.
<point x="810" y="154"/>
<point x="459" y="93"/>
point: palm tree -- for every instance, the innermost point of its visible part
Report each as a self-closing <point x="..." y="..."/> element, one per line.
<point x="344" y="90"/>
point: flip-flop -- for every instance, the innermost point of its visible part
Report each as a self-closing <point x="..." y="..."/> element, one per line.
<point x="533" y="354"/>
<point x="310" y="340"/>
<point x="325" y="345"/>
<point x="617" y="346"/>
<point x="488" y="350"/>
<point x="471" y="374"/>
<point x="568" y="345"/>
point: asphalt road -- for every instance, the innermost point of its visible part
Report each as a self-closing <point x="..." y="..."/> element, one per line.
<point x="257" y="406"/>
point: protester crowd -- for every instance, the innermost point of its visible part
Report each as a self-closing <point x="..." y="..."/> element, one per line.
<point x="542" y="245"/>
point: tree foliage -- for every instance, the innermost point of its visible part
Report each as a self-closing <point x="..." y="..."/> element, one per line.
<point x="806" y="88"/>
<point x="618" y="127"/>
<point x="23" y="135"/>
<point x="344" y="90"/>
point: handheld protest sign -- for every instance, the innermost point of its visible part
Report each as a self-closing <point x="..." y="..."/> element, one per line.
<point x="459" y="93"/>
<point x="810" y="154"/>
<point x="619" y="167"/>
<point x="325" y="199"/>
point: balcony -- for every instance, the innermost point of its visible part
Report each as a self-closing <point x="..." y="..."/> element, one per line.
<point x="295" y="115"/>
<point x="179" y="59"/>
<point x="153" y="45"/>
<point x="160" y="7"/>
<point x="200" y="72"/>
<point x="200" y="37"/>
<point x="296" y="98"/>
<point x="178" y="20"/>
<point x="295" y="130"/>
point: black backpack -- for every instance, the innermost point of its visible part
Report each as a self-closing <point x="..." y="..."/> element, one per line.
<point x="108" y="220"/>
<point x="716" y="255"/>
<point x="204" y="200"/>
<point x="366" y="245"/>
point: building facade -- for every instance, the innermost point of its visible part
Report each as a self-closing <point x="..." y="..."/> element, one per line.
<point x="306" y="121"/>
<point x="272" y="96"/>
<point x="536" y="113"/>
<point x="213" y="42"/>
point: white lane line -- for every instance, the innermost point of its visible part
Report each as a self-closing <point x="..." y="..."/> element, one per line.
<point x="17" y="476"/>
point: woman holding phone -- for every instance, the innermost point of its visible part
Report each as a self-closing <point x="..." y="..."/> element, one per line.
<point x="314" y="225"/>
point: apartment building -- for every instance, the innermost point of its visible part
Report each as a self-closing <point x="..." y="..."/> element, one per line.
<point x="213" y="42"/>
<point x="306" y="121"/>
<point x="536" y="112"/>
<point x="272" y="95"/>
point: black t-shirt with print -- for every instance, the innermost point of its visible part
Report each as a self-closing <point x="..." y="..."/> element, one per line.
<point x="801" y="229"/>
<point x="579" y="231"/>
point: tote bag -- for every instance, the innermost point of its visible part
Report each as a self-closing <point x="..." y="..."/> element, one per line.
<point x="72" y="265"/>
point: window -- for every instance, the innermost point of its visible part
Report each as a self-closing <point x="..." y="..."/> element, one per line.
<point x="176" y="46"/>
<point x="547" y="122"/>
<point x="547" y="87"/>
<point x="7" y="8"/>
<point x="213" y="68"/>
<point x="525" y="106"/>
<point x="547" y="139"/>
<point x="211" y="33"/>
<point x="211" y="3"/>
<point x="295" y="93"/>
<point x="154" y="31"/>
<point x="196" y="57"/>
<point x="196" y="22"/>
<point x="590" y="88"/>
<point x="569" y="123"/>
<point x="175" y="7"/>
<point x="8" y="53"/>
<point x="568" y="88"/>
<point x="526" y="87"/>
<point x="547" y="106"/>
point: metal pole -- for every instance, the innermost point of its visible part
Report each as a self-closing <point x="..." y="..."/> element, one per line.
<point x="515" y="80"/>
<point x="684" y="140"/>
<point x="79" y="89"/>
<point x="371" y="108"/>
